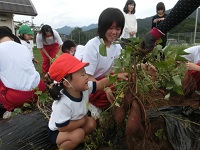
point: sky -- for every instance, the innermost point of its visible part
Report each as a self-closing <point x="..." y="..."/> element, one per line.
<point x="78" y="13"/>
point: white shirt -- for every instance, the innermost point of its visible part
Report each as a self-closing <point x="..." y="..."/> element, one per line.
<point x="130" y="25"/>
<point x="29" y="46"/>
<point x="79" y="52"/>
<point x="17" y="70"/>
<point x="70" y="108"/>
<point x="99" y="65"/>
<point x="49" y="40"/>
<point x="194" y="54"/>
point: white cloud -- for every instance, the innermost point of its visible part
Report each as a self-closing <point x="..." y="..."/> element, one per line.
<point x="59" y="13"/>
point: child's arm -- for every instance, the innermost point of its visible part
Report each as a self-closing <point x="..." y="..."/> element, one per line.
<point x="192" y="66"/>
<point x="73" y="124"/>
<point x="103" y="83"/>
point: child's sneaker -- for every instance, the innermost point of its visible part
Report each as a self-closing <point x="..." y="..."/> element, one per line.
<point x="95" y="112"/>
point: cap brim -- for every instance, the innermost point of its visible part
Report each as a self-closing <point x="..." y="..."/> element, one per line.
<point x="78" y="67"/>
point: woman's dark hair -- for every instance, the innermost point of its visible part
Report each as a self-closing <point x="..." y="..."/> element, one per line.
<point x="107" y="17"/>
<point x="6" y="31"/>
<point x="129" y="2"/>
<point x="44" y="30"/>
<point x="67" y="45"/>
<point x="55" y="89"/>
<point x="160" y="6"/>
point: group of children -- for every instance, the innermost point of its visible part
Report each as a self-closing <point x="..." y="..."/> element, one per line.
<point x="73" y="84"/>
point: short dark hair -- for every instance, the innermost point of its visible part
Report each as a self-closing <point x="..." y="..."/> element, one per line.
<point x="107" y="17"/>
<point x="6" y="31"/>
<point x="44" y="30"/>
<point x="160" y="6"/>
<point x="67" y="45"/>
<point x="128" y="2"/>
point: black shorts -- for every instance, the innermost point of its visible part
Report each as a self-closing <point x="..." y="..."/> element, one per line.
<point x="53" y="135"/>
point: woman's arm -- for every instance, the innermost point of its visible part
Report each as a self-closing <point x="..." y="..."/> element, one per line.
<point x="45" y="52"/>
<point x="192" y="66"/>
<point x="181" y="10"/>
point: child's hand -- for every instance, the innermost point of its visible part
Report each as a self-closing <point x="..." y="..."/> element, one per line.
<point x="123" y="76"/>
<point x="192" y="66"/>
<point x="109" y="95"/>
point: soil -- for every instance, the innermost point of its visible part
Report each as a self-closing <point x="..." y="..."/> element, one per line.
<point x="154" y="99"/>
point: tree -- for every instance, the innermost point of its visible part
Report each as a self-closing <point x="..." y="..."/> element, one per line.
<point x="78" y="36"/>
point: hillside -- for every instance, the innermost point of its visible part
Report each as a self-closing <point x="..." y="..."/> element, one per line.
<point x="143" y="24"/>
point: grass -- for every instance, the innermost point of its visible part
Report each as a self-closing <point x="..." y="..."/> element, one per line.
<point x="38" y="56"/>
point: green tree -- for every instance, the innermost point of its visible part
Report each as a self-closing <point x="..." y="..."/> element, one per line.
<point x="78" y="36"/>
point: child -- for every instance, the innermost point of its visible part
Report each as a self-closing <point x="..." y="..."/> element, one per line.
<point x="69" y="123"/>
<point x="191" y="82"/>
<point x="25" y="35"/>
<point x="71" y="48"/>
<point x="110" y="25"/>
<point x="49" y="42"/>
<point x="19" y="79"/>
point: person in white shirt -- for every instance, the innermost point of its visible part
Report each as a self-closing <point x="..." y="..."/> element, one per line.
<point x="191" y="82"/>
<point x="71" y="48"/>
<point x="79" y="52"/>
<point x="49" y="42"/>
<point x="130" y="28"/>
<point x="69" y="123"/>
<point x="110" y="25"/>
<point x="25" y="35"/>
<point x="18" y="76"/>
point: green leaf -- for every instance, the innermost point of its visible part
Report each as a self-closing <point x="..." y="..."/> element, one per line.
<point x="117" y="63"/>
<point x="38" y="93"/>
<point x="177" y="80"/>
<point x="26" y="105"/>
<point x="117" y="104"/>
<point x="158" y="48"/>
<point x="43" y="97"/>
<point x="159" y="133"/>
<point x="113" y="79"/>
<point x="179" y="54"/>
<point x="102" y="50"/>
<point x="180" y="58"/>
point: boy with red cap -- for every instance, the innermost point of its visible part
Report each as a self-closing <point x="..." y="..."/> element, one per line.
<point x="69" y="123"/>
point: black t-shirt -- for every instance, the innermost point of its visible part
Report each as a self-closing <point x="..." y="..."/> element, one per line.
<point x="158" y="22"/>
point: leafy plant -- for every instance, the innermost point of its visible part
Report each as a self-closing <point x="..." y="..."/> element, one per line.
<point x="159" y="133"/>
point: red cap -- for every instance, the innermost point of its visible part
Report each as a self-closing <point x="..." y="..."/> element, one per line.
<point x="63" y="65"/>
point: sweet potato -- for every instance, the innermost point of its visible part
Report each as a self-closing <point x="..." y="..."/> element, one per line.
<point x="120" y="112"/>
<point x="120" y="115"/>
<point x="134" y="127"/>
